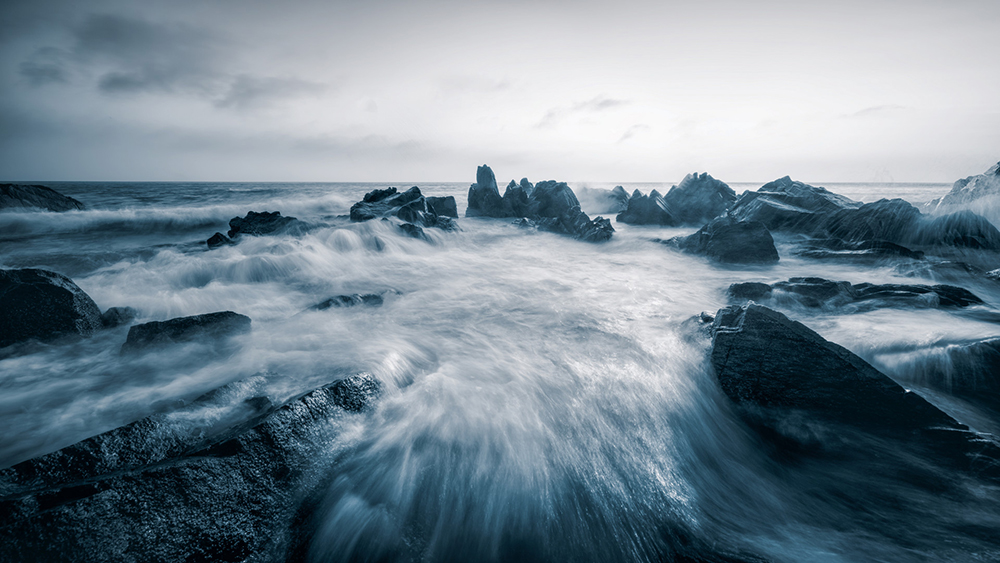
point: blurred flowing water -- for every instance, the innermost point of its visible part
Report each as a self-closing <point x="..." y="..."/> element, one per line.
<point x="544" y="399"/>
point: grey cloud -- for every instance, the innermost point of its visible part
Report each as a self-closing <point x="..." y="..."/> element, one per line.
<point x="472" y="83"/>
<point x="45" y="66"/>
<point x="593" y="105"/>
<point x="246" y="91"/>
<point x="632" y="131"/>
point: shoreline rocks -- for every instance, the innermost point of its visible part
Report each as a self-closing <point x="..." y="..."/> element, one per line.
<point x="210" y="326"/>
<point x="729" y="241"/>
<point x="23" y="196"/>
<point x="262" y="223"/>
<point x="42" y="305"/>
<point x="410" y="206"/>
<point x="822" y="293"/>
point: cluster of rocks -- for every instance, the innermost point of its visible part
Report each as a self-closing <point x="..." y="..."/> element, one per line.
<point x="548" y="205"/>
<point x="697" y="199"/>
<point x="826" y="294"/>
<point x="729" y="241"/>
<point x="20" y="196"/>
<point x="257" y="224"/>
<point x="411" y="207"/>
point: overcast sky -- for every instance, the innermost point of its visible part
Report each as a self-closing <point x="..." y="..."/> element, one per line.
<point x="426" y="91"/>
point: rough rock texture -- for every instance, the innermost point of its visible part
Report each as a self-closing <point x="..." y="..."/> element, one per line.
<point x="410" y="206"/>
<point x="42" y="305"/>
<point x="118" y="316"/>
<point x="699" y="198"/>
<point x="264" y="223"/>
<point x="646" y="210"/>
<point x="961" y="229"/>
<point x="970" y="371"/>
<point x="444" y="206"/>
<point x="484" y="196"/>
<point x="413" y="231"/>
<point x="217" y="240"/>
<point x="212" y="326"/>
<point x="370" y="299"/>
<point x="788" y="205"/>
<point x="826" y="294"/>
<point x="799" y="390"/>
<point x="729" y="241"/>
<point x="971" y="189"/>
<point x="150" y="491"/>
<point x="17" y="196"/>
<point x="866" y="250"/>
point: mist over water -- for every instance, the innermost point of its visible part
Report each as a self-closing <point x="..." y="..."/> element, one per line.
<point x="545" y="399"/>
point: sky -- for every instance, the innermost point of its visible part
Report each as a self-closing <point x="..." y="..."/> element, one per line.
<point x="624" y="91"/>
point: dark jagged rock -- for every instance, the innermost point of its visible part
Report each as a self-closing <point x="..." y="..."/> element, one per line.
<point x="577" y="224"/>
<point x="217" y="240"/>
<point x="729" y="241"/>
<point x="410" y="207"/>
<point x="484" y="196"/>
<point x="369" y="299"/>
<point x="823" y="293"/>
<point x="413" y="231"/>
<point x="699" y="198"/>
<point x="443" y="206"/>
<point x="962" y="229"/>
<point x="43" y="305"/>
<point x="515" y="198"/>
<point x="646" y="210"/>
<point x="887" y="219"/>
<point x="118" y="316"/>
<point x="788" y="205"/>
<point x="597" y="200"/>
<point x="552" y="199"/>
<point x="826" y="249"/>
<point x="19" y="196"/>
<point x="211" y="326"/>
<point x="150" y="491"/>
<point x="799" y="390"/>
<point x="970" y="189"/>
<point x="263" y="223"/>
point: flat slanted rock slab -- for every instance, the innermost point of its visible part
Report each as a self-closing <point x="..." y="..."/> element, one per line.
<point x="185" y="329"/>
<point x="19" y="196"/>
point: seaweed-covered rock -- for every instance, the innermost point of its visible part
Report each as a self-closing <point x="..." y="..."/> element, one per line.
<point x="210" y="326"/>
<point x="263" y="223"/>
<point x="729" y="241"/>
<point x="191" y="490"/>
<point x="20" y="196"/>
<point x="646" y="210"/>
<point x="699" y="198"/>
<point x="43" y="305"/>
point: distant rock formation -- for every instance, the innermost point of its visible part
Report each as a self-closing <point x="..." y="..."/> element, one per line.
<point x="826" y="294"/>
<point x="20" y="196"/>
<point x="788" y="205"/>
<point x="970" y="189"/>
<point x="697" y="199"/>
<point x="729" y="241"/>
<point x="549" y="205"/>
<point x="210" y="327"/>
<point x="43" y="305"/>
<point x="410" y="206"/>
<point x="263" y="223"/>
<point x="444" y="206"/>
<point x="646" y="210"/>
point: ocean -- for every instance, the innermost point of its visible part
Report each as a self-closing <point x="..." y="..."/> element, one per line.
<point x="536" y="387"/>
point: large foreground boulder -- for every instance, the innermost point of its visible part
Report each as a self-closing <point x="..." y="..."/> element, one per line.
<point x="807" y="394"/>
<point x="184" y="487"/>
<point x="729" y="241"/>
<point x="19" y="196"/>
<point x="826" y="294"/>
<point x="263" y="223"/>
<point x="207" y="327"/>
<point x="43" y="305"/>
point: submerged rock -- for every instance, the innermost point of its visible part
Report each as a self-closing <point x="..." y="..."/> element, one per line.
<point x="823" y="293"/>
<point x="20" y="196"/>
<point x="263" y="223"/>
<point x="806" y="394"/>
<point x="43" y="305"/>
<point x="210" y="326"/>
<point x="729" y="241"/>
<point x="118" y="316"/>
<point x="699" y="198"/>
<point x="646" y="210"/>
<point x="370" y="299"/>
<point x="217" y="240"/>
<point x="155" y="491"/>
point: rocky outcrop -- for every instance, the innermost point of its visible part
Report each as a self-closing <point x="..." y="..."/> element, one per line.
<point x="699" y="198"/>
<point x="866" y="250"/>
<point x="370" y="299"/>
<point x="729" y="241"/>
<point x="968" y="371"/>
<point x="263" y="223"/>
<point x="808" y="395"/>
<point x="118" y="316"/>
<point x="207" y="327"/>
<point x="549" y="205"/>
<point x="789" y="205"/>
<point x="19" y="196"/>
<point x="826" y="294"/>
<point x="43" y="305"/>
<point x="443" y="206"/>
<point x="195" y="485"/>
<point x="410" y="207"/>
<point x="970" y="189"/>
<point x="217" y="240"/>
<point x="646" y="210"/>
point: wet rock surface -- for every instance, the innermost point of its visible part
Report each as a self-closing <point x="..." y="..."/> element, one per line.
<point x="118" y="316"/>
<point x="788" y="205"/>
<point x="699" y="198"/>
<point x="41" y="305"/>
<point x="263" y="223"/>
<point x="217" y="240"/>
<point x="729" y="241"/>
<point x="822" y="293"/>
<point x="646" y="210"/>
<point x="352" y="300"/>
<point x="970" y="189"/>
<point x="153" y="491"/>
<point x="21" y="196"/>
<point x="210" y="326"/>
<point x="410" y="207"/>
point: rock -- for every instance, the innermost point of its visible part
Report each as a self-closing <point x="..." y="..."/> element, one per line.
<point x="699" y="198"/>
<point x="788" y="205"/>
<point x="962" y="229"/>
<point x="413" y="231"/>
<point x="210" y="326"/>
<point x="369" y="299"/>
<point x="577" y="224"/>
<point x="552" y="199"/>
<point x="410" y="207"/>
<point x="20" y="196"/>
<point x="118" y="316"/>
<point x="188" y="491"/>
<point x="484" y="197"/>
<point x="646" y="210"/>
<point x="970" y="189"/>
<point x="443" y="206"/>
<point x="827" y="294"/>
<point x="729" y="241"/>
<point x="603" y="201"/>
<point x="515" y="199"/>
<point x="217" y="240"/>
<point x="264" y="223"/>
<point x="968" y="371"/>
<point x="807" y="395"/>
<point x="826" y="249"/>
<point x="43" y="305"/>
